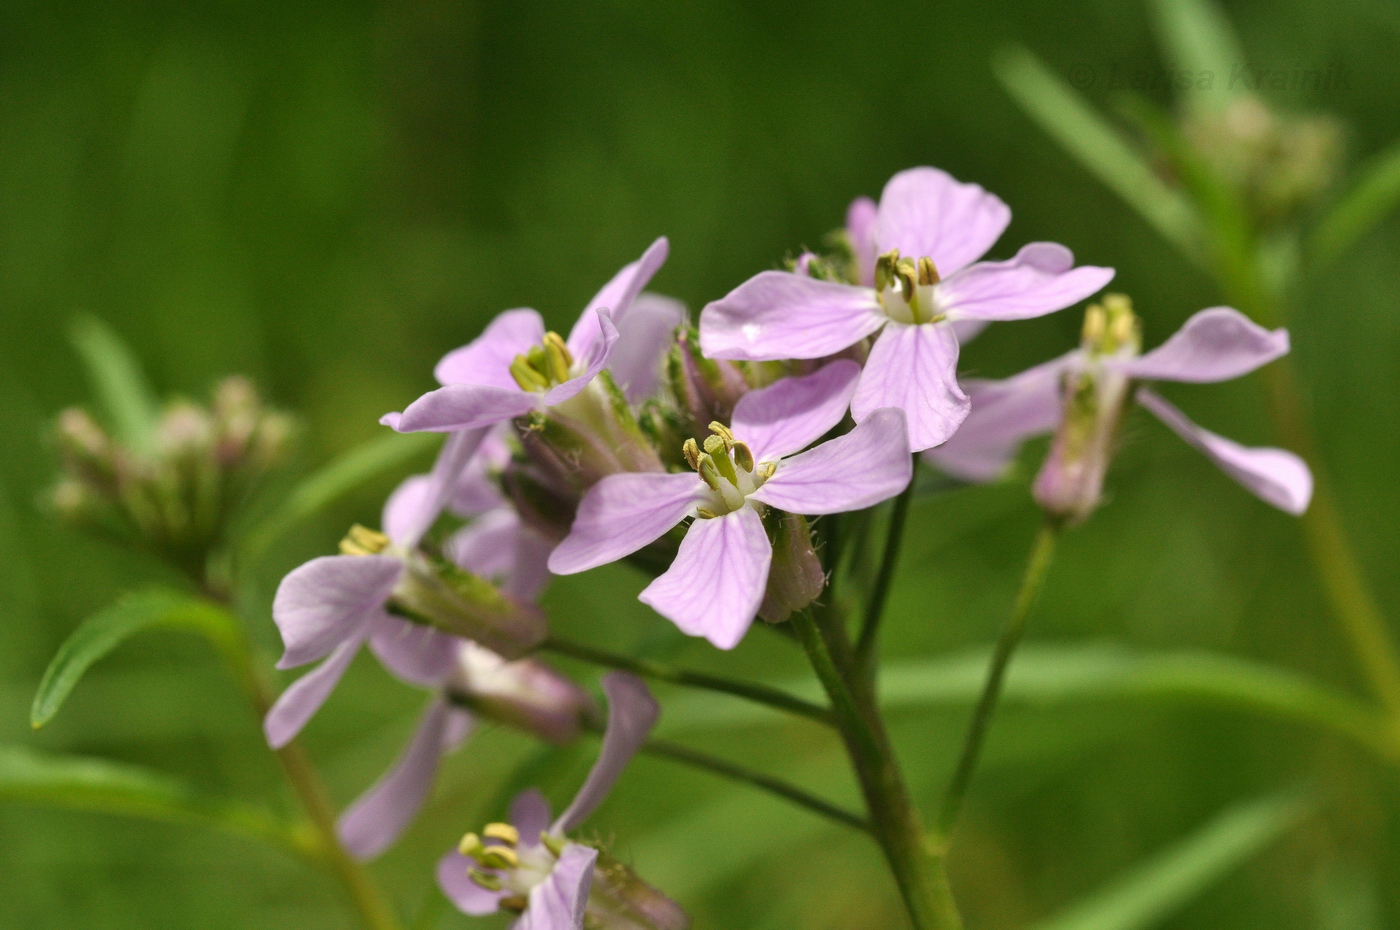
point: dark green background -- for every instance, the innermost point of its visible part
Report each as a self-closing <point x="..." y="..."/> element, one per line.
<point x="328" y="196"/>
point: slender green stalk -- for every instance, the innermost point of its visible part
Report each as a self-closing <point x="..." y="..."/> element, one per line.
<point x="880" y="591"/>
<point x="1042" y="552"/>
<point x="646" y="668"/>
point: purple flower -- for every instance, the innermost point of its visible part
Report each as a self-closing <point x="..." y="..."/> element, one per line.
<point x="717" y="581"/>
<point x="1081" y="396"/>
<point x="926" y="232"/>
<point x="529" y="866"/>
<point x="515" y="367"/>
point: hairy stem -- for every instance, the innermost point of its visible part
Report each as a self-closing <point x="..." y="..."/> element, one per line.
<point x="1042" y="552"/>
<point x="880" y="591"/>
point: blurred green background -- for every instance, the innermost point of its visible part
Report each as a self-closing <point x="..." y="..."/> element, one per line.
<point x="328" y="196"/>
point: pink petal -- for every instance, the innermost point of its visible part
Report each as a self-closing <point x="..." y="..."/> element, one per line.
<point x="378" y="818"/>
<point x="409" y="515"/>
<point x="1004" y="415"/>
<point x="914" y="368"/>
<point x="642" y="342"/>
<point x="968" y="330"/>
<point x="323" y="603"/>
<point x="462" y="407"/>
<point x="925" y="212"/>
<point x="1275" y="476"/>
<point x="860" y="229"/>
<point x="869" y="464"/>
<point x="790" y="414"/>
<point x="632" y="712"/>
<point x="476" y="491"/>
<point x="417" y="654"/>
<point x="465" y="894"/>
<point x="500" y="546"/>
<point x="779" y="315"/>
<point x="529" y="813"/>
<point x="1214" y="345"/>
<point x="593" y="357"/>
<point x="715" y="585"/>
<point x="621" y="514"/>
<point x="486" y="359"/>
<point x="405" y="505"/>
<point x="617" y="295"/>
<point x="1039" y="280"/>
<point x="305" y="696"/>
<point x="559" y="902"/>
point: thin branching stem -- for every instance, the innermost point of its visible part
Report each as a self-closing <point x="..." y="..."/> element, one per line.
<point x="880" y="591"/>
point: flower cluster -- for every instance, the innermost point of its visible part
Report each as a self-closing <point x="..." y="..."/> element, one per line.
<point x="698" y="454"/>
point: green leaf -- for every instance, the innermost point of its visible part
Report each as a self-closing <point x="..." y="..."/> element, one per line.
<point x="1200" y="42"/>
<point x="1165" y="883"/>
<point x="104" y="631"/>
<point x="119" y="788"/>
<point x="1365" y="205"/>
<point x="1069" y="119"/>
<point x="337" y="479"/>
<point x="131" y="405"/>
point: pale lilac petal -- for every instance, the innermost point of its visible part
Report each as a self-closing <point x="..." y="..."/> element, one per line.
<point x="378" y="818"/>
<point x="592" y="359"/>
<point x="715" y="585"/>
<point x="408" y="518"/>
<point x="559" y="902"/>
<point x="415" y="653"/>
<point x="642" y="342"/>
<point x="632" y="712"/>
<point x="968" y="330"/>
<point x="1214" y="345"/>
<point x="779" y="315"/>
<point x="790" y="414"/>
<point x="924" y="212"/>
<point x="869" y="464"/>
<point x="1039" y="280"/>
<point x="486" y="359"/>
<point x="403" y="510"/>
<point x="1004" y="415"/>
<point x="462" y="407"/>
<point x="305" y="696"/>
<point x="500" y="546"/>
<point x="618" y="295"/>
<point x="860" y="229"/>
<point x="621" y="514"/>
<point x="476" y="490"/>
<point x="465" y="894"/>
<point x="324" y="602"/>
<point x="914" y="368"/>
<point x="529" y="813"/>
<point x="1276" y="476"/>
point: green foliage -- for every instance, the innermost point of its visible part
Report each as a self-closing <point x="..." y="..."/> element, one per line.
<point x="1372" y="196"/>
<point x="116" y="378"/>
<point x="1200" y="41"/>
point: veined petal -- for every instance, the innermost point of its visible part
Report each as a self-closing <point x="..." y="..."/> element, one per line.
<point x="925" y="212"/>
<point x="1004" y="415"/>
<point x="559" y="902"/>
<point x="305" y="696"/>
<point x="402" y="511"/>
<point x="486" y="359"/>
<point x="378" y="818"/>
<point x="476" y="490"/>
<point x="716" y="583"/>
<point x="869" y="464"/>
<point x="1275" y="476"/>
<point x="790" y="414"/>
<point x="617" y="295"/>
<point x="415" y="653"/>
<point x="642" y="341"/>
<point x="778" y="315"/>
<point x="409" y="515"/>
<point x="462" y="407"/>
<point x="621" y="514"/>
<point x="592" y="357"/>
<point x="458" y="887"/>
<point x="632" y="712"/>
<point x="529" y="813"/>
<point x="1214" y="345"/>
<point x="1039" y="280"/>
<point x="860" y="229"/>
<point x="914" y="368"/>
<point x="321" y="604"/>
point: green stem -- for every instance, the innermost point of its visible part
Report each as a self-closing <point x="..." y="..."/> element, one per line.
<point x="646" y="668"/>
<point x="919" y="873"/>
<point x="880" y="591"/>
<point x="1042" y="552"/>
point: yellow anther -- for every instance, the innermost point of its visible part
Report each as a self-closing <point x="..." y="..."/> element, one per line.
<point x="526" y="375"/>
<point x="928" y="273"/>
<point x="723" y="432"/>
<point x="691" y="451"/>
<point x="470" y="845"/>
<point x="361" y="540"/>
<point x="515" y="903"/>
<point x="908" y="279"/>
<point x="704" y="513"/>
<point x="484" y="879"/>
<point x="497" y="857"/>
<point x="503" y="832"/>
<point x="715" y="445"/>
<point x="743" y="456"/>
<point x="765" y="471"/>
<point x="1095" y="324"/>
<point x="884" y="269"/>
<point x="557" y="358"/>
<point x="709" y="472"/>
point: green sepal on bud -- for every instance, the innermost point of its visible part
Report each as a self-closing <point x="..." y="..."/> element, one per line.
<point x="796" y="577"/>
<point x="437" y="593"/>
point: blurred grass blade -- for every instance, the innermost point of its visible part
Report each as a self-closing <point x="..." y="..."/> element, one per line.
<point x="131" y="406"/>
<point x="119" y="788"/>
<point x="1167" y="882"/>
<point x="1365" y="205"/>
<point x="317" y="491"/>
<point x="1203" y="48"/>
<point x="105" y="630"/>
<point x="1069" y="119"/>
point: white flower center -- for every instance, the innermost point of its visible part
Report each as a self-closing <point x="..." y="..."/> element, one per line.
<point x="728" y="469"/>
<point x="907" y="289"/>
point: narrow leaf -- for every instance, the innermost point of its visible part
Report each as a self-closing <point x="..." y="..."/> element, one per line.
<point x="104" y="631"/>
<point x="131" y="405"/>
<point x="1203" y="48"/>
<point x="119" y="788"/>
<point x="1164" y="884"/>
<point x="1373" y="196"/>
<point x="1070" y="121"/>
<point x="337" y="479"/>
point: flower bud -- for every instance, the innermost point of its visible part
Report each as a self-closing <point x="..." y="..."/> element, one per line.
<point x="795" y="578"/>
<point x="592" y="435"/>
<point x="526" y="694"/>
<point x="620" y="900"/>
<point x="455" y="601"/>
<point x="705" y="389"/>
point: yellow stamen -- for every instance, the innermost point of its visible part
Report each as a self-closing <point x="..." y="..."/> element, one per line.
<point x="928" y="273"/>
<point x="362" y="540"/>
<point x="497" y="857"/>
<point x="503" y="832"/>
<point x="469" y="845"/>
